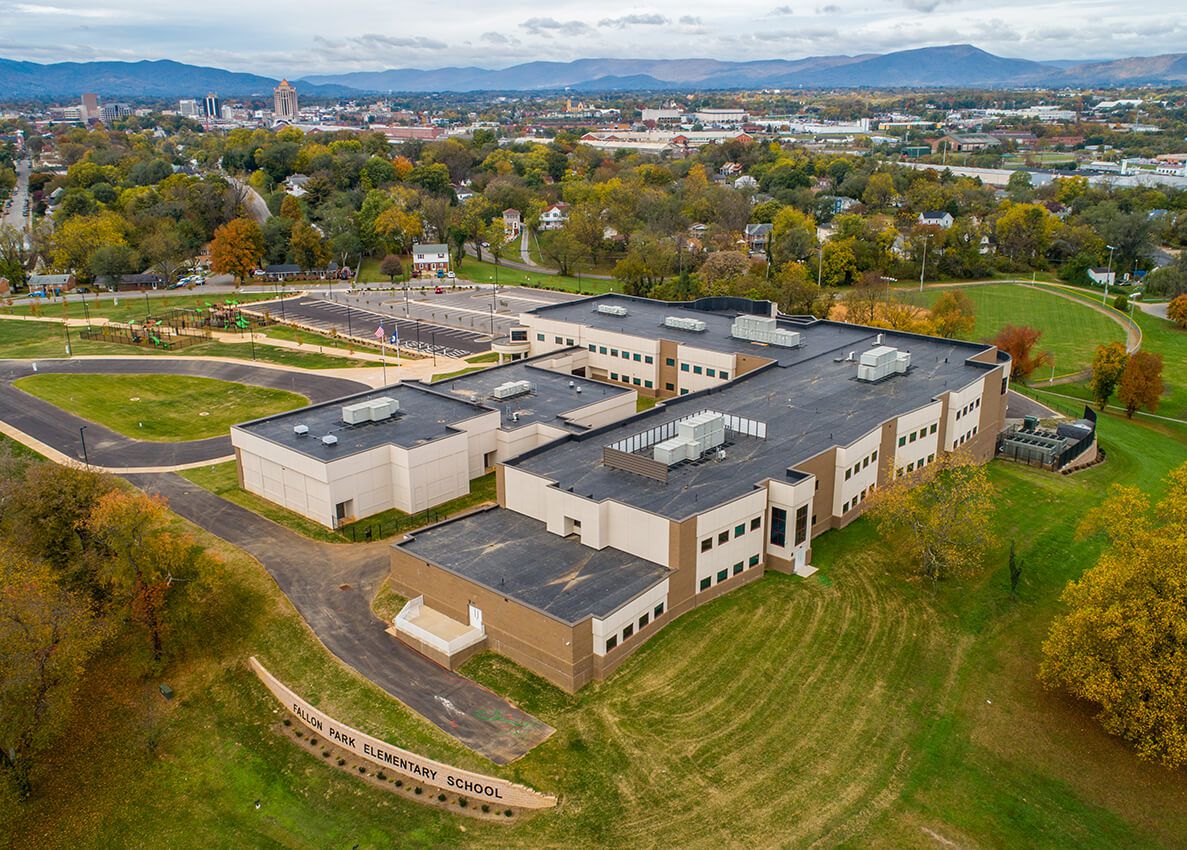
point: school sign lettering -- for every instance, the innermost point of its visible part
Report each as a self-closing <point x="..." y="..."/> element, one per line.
<point x="436" y="774"/>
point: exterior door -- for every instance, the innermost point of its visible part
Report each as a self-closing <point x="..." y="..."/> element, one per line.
<point x="475" y="616"/>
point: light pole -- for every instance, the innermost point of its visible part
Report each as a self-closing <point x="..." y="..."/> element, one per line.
<point x="1108" y="273"/>
<point x="923" y="265"/>
<point x="82" y="435"/>
<point x="434" y="348"/>
<point x="819" y="268"/>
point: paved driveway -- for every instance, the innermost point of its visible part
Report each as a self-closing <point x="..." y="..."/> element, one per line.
<point x="106" y="448"/>
<point x="331" y="586"/>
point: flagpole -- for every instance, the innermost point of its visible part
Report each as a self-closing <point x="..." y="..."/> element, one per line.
<point x="383" y="353"/>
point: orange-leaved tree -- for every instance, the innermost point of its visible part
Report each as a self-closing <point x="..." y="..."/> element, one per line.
<point x="1019" y="342"/>
<point x="237" y="248"/>
<point x="1141" y="382"/>
<point x="1176" y="311"/>
<point x="1122" y="643"/>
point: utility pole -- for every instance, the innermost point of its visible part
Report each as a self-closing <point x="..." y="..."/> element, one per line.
<point x="923" y="266"/>
<point x="1108" y="273"/>
<point x="819" y="268"/>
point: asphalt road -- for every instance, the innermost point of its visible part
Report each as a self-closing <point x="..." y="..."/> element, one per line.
<point x="106" y="448"/>
<point x="16" y="215"/>
<point x="332" y="585"/>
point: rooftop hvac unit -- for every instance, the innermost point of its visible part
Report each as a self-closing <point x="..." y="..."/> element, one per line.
<point x="611" y="309"/>
<point x="882" y="361"/>
<point x="763" y="329"/>
<point x="371" y="410"/>
<point x="674" y="450"/>
<point x="512" y="389"/>
<point x="300" y="430"/>
<point x="685" y="324"/>
<point x="329" y="440"/>
<point x="354" y="414"/>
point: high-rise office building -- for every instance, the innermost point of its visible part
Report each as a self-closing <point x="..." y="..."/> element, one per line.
<point x="90" y="107"/>
<point x="188" y="108"/>
<point x="211" y="106"/>
<point x="285" y="101"/>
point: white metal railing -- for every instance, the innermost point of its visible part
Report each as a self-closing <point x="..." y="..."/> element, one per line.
<point x="646" y="439"/>
<point x="404" y="622"/>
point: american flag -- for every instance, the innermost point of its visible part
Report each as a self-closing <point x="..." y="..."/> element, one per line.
<point x="380" y="333"/>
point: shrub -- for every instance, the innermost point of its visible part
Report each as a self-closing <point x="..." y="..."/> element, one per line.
<point x="288" y="722"/>
<point x="382" y="776"/>
<point x="312" y="741"/>
<point x="440" y="798"/>
<point x="461" y="801"/>
<point x="485" y="807"/>
<point x="325" y="754"/>
<point x="1121" y="303"/>
<point x="362" y="770"/>
<point x="419" y="790"/>
<point x="300" y="734"/>
<point x="399" y="783"/>
<point x="341" y="761"/>
<point x="507" y="813"/>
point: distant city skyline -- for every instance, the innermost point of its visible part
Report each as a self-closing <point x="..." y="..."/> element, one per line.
<point x="286" y="39"/>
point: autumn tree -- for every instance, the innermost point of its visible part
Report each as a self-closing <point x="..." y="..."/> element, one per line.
<point x="291" y="209"/>
<point x="793" y="236"/>
<point x="938" y="518"/>
<point x="308" y="247"/>
<point x="1176" y="311"/>
<point x="561" y="248"/>
<point x="953" y="315"/>
<point x="75" y="241"/>
<point x="1123" y="640"/>
<point x="47" y="632"/>
<point x="392" y="266"/>
<point x="879" y="190"/>
<point x="1108" y="364"/>
<point x="723" y="267"/>
<point x="1019" y="342"/>
<point x="237" y="248"/>
<point x="397" y="228"/>
<point x="1141" y="382"/>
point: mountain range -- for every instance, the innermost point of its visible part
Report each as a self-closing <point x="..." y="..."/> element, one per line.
<point x="961" y="65"/>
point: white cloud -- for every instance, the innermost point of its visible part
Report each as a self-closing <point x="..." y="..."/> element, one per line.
<point x="634" y="20"/>
<point x="548" y="26"/>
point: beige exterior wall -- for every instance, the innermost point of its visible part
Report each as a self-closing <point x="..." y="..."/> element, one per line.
<point x="917" y="447"/>
<point x="628" y="615"/>
<point x="738" y="548"/>
<point x="856" y="470"/>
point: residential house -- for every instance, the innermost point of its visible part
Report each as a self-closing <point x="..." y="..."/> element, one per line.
<point x="555" y="216"/>
<point x="50" y="284"/>
<point x="730" y="169"/>
<point x="746" y="183"/>
<point x="1102" y="276"/>
<point x="294" y="184"/>
<point x="757" y="236"/>
<point x="512" y="222"/>
<point x="429" y="259"/>
<point x="936" y="218"/>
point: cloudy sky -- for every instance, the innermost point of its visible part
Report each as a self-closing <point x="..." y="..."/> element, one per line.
<point x="295" y="38"/>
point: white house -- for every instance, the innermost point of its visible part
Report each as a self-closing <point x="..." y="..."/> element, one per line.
<point x="428" y="259"/>
<point x="512" y="222"/>
<point x="936" y="218"/>
<point x="294" y="184"/>
<point x="1102" y="276"/>
<point x="555" y="216"/>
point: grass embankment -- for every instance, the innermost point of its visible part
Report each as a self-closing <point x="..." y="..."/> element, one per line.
<point x="128" y="306"/>
<point x="1071" y="330"/>
<point x="859" y="707"/>
<point x="222" y="479"/>
<point x="441" y="376"/>
<point x="159" y="407"/>
<point x="29" y="340"/>
<point x="484" y="272"/>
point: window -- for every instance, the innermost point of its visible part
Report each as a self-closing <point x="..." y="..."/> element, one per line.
<point x="696" y="370"/>
<point x="684" y="392"/>
<point x="601" y="349"/>
<point x="801" y="524"/>
<point x="911" y="467"/>
<point x="669" y="386"/>
<point x="568" y="342"/>
<point x="754" y="560"/>
<point x="593" y="348"/>
<point x="845" y="508"/>
<point x="874" y="456"/>
<point x="636" y="381"/>
<point x="637" y="357"/>
<point x="626" y="355"/>
<point x="712" y="373"/>
<point x="683" y="367"/>
<point x="722" y="575"/>
<point x="705" y="582"/>
<point x="613" y="352"/>
<point x="725" y="376"/>
<point x="723" y="537"/>
<point x="931" y="458"/>
<point x="912" y="436"/>
<point x="738" y="567"/>
<point x="932" y="430"/>
<point x="848" y="474"/>
<point x="647" y="358"/>
<point x="613" y="376"/>
<point x="670" y="361"/>
<point x="865" y="463"/>
<point x="706" y="544"/>
<point x="755" y="523"/>
<point x="558" y="340"/>
<point x="611" y="642"/>
<point x="644" y="620"/>
<point x="902" y="441"/>
<point x="647" y="384"/>
<point x="739" y="530"/>
<point x="628" y="631"/>
<point x="540" y="338"/>
<point x="519" y="336"/>
<point x="778" y="527"/>
<point x="659" y="610"/>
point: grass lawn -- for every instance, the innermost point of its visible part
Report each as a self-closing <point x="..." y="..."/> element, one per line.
<point x="27" y="340"/>
<point x="484" y="272"/>
<point x="159" y="407"/>
<point x="1071" y="331"/>
<point x="443" y="375"/>
<point x="485" y="357"/>
<point x="222" y="479"/>
<point x="129" y="306"/>
<point x="645" y="402"/>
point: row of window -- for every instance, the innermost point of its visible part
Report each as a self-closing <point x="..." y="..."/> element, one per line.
<point x="858" y="499"/>
<point x="919" y="464"/>
<point x="724" y="536"/>
<point x="707" y="582"/>
<point x="709" y="371"/>
<point x="861" y="464"/>
<point x="966" y="436"/>
<point x="629" y="629"/>
<point x="625" y="355"/>
<point x="779" y="525"/>
<point x="968" y="408"/>
<point x="627" y="379"/>
<point x="559" y="340"/>
<point x="917" y="435"/>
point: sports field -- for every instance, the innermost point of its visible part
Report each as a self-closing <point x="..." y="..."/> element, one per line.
<point x="159" y="407"/>
<point x="1071" y="329"/>
<point x="858" y="708"/>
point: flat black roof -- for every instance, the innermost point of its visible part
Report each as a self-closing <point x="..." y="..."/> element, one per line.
<point x="424" y="415"/>
<point x="810" y="403"/>
<point x="518" y="557"/>
<point x="555" y="395"/>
